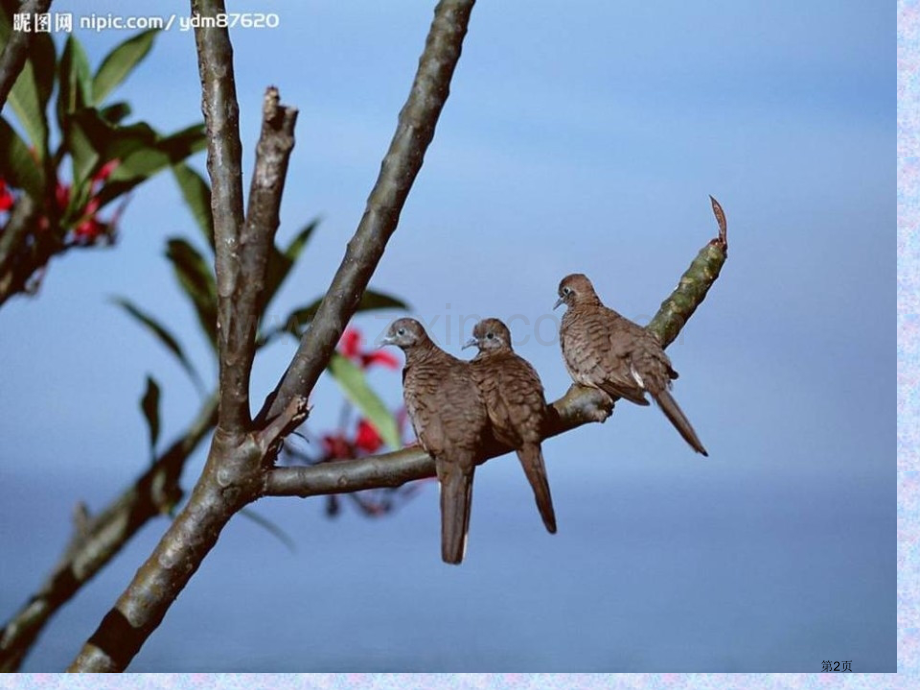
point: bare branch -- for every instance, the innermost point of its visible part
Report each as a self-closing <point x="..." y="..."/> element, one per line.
<point x="273" y="153"/>
<point x="577" y="407"/>
<point x="16" y="51"/>
<point x="102" y="537"/>
<point x="414" y="133"/>
<point x="221" y="114"/>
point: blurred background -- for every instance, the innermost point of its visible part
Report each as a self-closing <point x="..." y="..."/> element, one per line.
<point x="580" y="136"/>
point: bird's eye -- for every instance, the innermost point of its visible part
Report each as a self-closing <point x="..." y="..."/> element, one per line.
<point x="566" y="290"/>
<point x="489" y="336"/>
<point x="401" y="331"/>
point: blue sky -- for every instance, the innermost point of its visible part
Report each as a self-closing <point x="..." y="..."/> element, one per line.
<point x="585" y="137"/>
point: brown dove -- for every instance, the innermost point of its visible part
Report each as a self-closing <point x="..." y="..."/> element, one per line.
<point x="605" y="350"/>
<point x="515" y="404"/>
<point x="450" y="420"/>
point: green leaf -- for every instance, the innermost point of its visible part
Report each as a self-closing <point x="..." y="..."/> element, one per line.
<point x="163" y="335"/>
<point x="298" y="319"/>
<point x="94" y="141"/>
<point x="29" y="95"/>
<point x="150" y="406"/>
<point x="145" y="161"/>
<point x="83" y="158"/>
<point x="80" y="193"/>
<point x="110" y="140"/>
<point x="197" y="194"/>
<point x="26" y="104"/>
<point x="196" y="278"/>
<point x="292" y="253"/>
<point x="269" y="527"/>
<point x="120" y="62"/>
<point x="19" y="167"/>
<point x="280" y="263"/>
<point x="74" y="82"/>
<point x="353" y="383"/>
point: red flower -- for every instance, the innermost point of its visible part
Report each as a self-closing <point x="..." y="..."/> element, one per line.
<point x="379" y="357"/>
<point x="6" y="197"/>
<point x="350" y="346"/>
<point x="367" y="438"/>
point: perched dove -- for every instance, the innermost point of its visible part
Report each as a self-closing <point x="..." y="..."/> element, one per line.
<point x="605" y="350"/>
<point x="514" y="401"/>
<point x="450" y="420"/>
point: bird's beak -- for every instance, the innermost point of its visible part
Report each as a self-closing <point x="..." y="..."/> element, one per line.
<point x="469" y="343"/>
<point x="558" y="302"/>
<point x="387" y="340"/>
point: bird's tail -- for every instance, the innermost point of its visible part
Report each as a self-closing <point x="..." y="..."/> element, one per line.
<point x="531" y="458"/>
<point x="456" y="499"/>
<point x="677" y="417"/>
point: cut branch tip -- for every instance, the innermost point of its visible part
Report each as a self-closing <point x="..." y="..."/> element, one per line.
<point x="723" y="224"/>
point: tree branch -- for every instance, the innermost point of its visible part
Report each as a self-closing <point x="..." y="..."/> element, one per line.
<point x="694" y="284"/>
<point x="102" y="537"/>
<point x="235" y="471"/>
<point x="577" y="407"/>
<point x="273" y="153"/>
<point x="403" y="160"/>
<point x="14" y="55"/>
<point x="221" y="114"/>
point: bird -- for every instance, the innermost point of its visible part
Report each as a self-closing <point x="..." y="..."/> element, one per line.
<point x="450" y="420"/>
<point x="515" y="404"/>
<point x="603" y="349"/>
